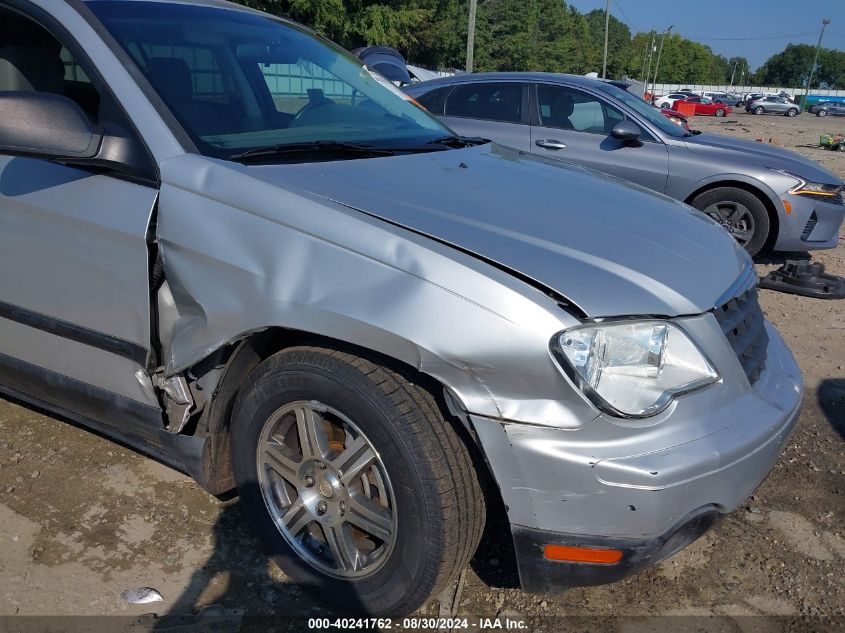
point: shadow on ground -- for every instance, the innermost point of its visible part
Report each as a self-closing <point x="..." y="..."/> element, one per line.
<point x="831" y="396"/>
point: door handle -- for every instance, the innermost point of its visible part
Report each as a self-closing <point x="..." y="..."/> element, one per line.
<point x="550" y="143"/>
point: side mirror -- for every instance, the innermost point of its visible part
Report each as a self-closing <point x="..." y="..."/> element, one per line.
<point x="46" y="125"/>
<point x="626" y="131"/>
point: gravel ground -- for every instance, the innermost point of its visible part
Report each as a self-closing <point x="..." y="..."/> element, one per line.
<point x="82" y="518"/>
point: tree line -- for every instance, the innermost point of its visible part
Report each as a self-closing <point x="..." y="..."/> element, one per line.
<point x="543" y="35"/>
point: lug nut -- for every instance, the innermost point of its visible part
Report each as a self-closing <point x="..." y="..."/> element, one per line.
<point x="308" y="481"/>
<point x="322" y="506"/>
<point x="320" y="465"/>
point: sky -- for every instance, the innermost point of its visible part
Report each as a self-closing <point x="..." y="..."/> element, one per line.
<point x="755" y="29"/>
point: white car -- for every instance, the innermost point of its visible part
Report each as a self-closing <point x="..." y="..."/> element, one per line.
<point x="667" y="101"/>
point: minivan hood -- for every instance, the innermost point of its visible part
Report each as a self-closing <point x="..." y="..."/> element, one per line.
<point x="762" y="154"/>
<point x="610" y="248"/>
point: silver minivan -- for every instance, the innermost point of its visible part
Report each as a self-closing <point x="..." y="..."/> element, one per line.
<point x="230" y="245"/>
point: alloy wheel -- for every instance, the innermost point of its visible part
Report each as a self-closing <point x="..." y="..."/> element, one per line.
<point x="326" y="489"/>
<point x="736" y="219"/>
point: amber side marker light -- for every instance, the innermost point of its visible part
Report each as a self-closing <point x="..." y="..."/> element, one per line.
<point x="787" y="206"/>
<point x="569" y="554"/>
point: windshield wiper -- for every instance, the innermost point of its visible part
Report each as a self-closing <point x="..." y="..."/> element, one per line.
<point x="441" y="144"/>
<point x="310" y="147"/>
<point x="457" y="141"/>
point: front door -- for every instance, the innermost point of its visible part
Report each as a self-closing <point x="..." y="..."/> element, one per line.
<point x="74" y="287"/>
<point x="575" y="126"/>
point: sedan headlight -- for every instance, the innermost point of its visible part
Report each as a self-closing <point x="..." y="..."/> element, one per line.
<point x="807" y="188"/>
<point x="632" y="369"/>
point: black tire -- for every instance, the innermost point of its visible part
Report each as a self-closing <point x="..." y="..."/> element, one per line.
<point x="729" y="195"/>
<point x="791" y="112"/>
<point x="666" y="105"/>
<point x="720" y="112"/>
<point x="439" y="502"/>
<point x="759" y="110"/>
<point x="821" y="113"/>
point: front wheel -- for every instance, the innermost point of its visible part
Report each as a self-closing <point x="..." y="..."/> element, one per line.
<point x="791" y="112"/>
<point x="759" y="110"/>
<point x="362" y="491"/>
<point x="720" y="112"/>
<point x="821" y="113"/>
<point x="739" y="212"/>
<point x="665" y="105"/>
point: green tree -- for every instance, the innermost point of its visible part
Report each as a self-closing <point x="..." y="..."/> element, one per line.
<point x="620" y="56"/>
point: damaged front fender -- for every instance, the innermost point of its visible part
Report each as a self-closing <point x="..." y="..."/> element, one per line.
<point x="242" y="255"/>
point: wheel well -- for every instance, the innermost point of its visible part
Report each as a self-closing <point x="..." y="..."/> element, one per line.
<point x="241" y="357"/>
<point x="762" y="197"/>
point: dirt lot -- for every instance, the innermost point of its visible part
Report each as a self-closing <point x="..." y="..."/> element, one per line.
<point x="82" y="519"/>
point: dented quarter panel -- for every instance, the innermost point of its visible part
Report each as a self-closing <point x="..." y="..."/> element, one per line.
<point x="240" y="263"/>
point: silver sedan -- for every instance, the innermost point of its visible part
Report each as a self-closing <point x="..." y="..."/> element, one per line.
<point x="773" y="105"/>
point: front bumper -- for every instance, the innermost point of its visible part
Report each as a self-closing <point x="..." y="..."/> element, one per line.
<point x="811" y="223"/>
<point x="647" y="491"/>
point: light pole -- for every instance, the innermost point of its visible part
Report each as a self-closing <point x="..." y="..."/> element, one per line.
<point x="606" y="26"/>
<point x="657" y="65"/>
<point x="647" y="68"/>
<point x="825" y="22"/>
<point x="471" y="34"/>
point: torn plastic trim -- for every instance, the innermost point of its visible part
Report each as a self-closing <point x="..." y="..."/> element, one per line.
<point x="178" y="401"/>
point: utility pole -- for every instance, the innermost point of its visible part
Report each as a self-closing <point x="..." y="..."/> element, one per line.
<point x="733" y="73"/>
<point x="471" y="34"/>
<point x="825" y="22"/>
<point x="647" y="56"/>
<point x="606" y="26"/>
<point x="659" y="53"/>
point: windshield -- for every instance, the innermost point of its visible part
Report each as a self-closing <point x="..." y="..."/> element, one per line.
<point x="645" y="110"/>
<point x="238" y="80"/>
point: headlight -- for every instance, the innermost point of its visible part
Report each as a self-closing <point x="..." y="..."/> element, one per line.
<point x="806" y="188"/>
<point x="632" y="369"/>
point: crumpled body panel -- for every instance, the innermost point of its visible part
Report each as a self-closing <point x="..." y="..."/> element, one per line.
<point x="242" y="255"/>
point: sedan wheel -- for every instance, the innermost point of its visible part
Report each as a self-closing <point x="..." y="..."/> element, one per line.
<point x="362" y="489"/>
<point x="739" y="212"/>
<point x="720" y="112"/>
<point x="821" y="113"/>
<point x="791" y="112"/>
<point x="759" y="110"/>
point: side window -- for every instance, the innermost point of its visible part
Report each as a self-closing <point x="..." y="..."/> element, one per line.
<point x="31" y="59"/>
<point x="435" y="101"/>
<point x="490" y="101"/>
<point x="570" y="109"/>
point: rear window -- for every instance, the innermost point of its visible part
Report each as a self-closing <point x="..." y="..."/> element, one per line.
<point x="435" y="100"/>
<point x="490" y="101"/>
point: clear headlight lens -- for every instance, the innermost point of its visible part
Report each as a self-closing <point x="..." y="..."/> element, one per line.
<point x="632" y="369"/>
<point x="807" y="188"/>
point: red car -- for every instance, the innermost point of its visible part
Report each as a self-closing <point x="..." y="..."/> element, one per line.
<point x="675" y="117"/>
<point x="703" y="105"/>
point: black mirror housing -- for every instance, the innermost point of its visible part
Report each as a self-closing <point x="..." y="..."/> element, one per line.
<point x="46" y="125"/>
<point x="626" y="131"/>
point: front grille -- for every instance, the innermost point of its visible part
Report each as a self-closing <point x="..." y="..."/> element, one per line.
<point x="742" y="322"/>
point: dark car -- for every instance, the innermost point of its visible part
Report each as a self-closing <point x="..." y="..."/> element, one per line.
<point x="828" y="108"/>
